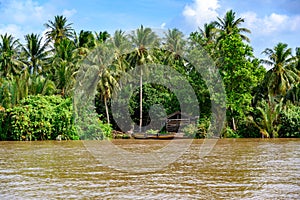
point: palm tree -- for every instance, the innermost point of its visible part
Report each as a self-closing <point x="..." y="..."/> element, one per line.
<point x="174" y="42"/>
<point x="65" y="61"/>
<point x="102" y="36"/>
<point x="107" y="85"/>
<point x="208" y="33"/>
<point x="9" y="55"/>
<point x="122" y="47"/>
<point x="59" y="29"/>
<point x="85" y="39"/>
<point x="35" y="53"/>
<point x="229" y="24"/>
<point x="283" y="75"/>
<point x="143" y="40"/>
<point x="268" y="117"/>
<point x="84" y="43"/>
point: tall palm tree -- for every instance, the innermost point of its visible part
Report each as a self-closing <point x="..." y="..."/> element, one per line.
<point x="174" y="42"/>
<point x="144" y="40"/>
<point x="10" y="63"/>
<point x="35" y="53"/>
<point x="208" y="33"/>
<point x="229" y="24"/>
<point x="107" y="85"/>
<point x="65" y="61"/>
<point x="283" y="74"/>
<point x="122" y="47"/>
<point x="84" y="43"/>
<point x="59" y="29"/>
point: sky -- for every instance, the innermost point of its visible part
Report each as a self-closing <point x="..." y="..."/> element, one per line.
<point x="270" y="21"/>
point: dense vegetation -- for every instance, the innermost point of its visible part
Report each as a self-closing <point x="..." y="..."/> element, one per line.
<point x="38" y="77"/>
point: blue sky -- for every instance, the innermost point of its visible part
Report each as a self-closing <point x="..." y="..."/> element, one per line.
<point x="271" y="21"/>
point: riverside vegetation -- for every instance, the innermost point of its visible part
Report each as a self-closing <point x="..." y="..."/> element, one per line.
<point x="38" y="77"/>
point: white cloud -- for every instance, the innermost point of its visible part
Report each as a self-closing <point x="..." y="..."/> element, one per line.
<point x="12" y="29"/>
<point x="200" y="12"/>
<point x="271" y="24"/>
<point x="21" y="17"/>
<point x="21" y="12"/>
<point x="69" y="13"/>
<point x="163" y="25"/>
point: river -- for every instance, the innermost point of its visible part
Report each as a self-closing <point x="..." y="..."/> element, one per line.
<point x="231" y="169"/>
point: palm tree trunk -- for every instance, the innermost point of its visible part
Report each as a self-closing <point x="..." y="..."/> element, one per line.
<point x="233" y="124"/>
<point x="106" y="109"/>
<point x="141" y="100"/>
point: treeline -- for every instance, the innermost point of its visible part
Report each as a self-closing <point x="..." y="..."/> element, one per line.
<point x="38" y="78"/>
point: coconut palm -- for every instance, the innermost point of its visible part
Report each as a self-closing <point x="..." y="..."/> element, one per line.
<point x="86" y="39"/>
<point x="143" y="40"/>
<point x="102" y="36"/>
<point x="122" y="47"/>
<point x="174" y="42"/>
<point x="208" y="34"/>
<point x="35" y="53"/>
<point x="59" y="29"/>
<point x="65" y="61"/>
<point x="10" y="64"/>
<point x="107" y="85"/>
<point x="229" y="24"/>
<point x="283" y="74"/>
<point x="84" y="43"/>
<point x="268" y="117"/>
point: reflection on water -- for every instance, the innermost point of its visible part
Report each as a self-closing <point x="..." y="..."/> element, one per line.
<point x="234" y="169"/>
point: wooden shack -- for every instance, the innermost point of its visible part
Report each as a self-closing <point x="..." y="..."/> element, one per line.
<point x="178" y="119"/>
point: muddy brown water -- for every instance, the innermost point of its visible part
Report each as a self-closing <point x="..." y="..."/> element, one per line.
<point x="233" y="169"/>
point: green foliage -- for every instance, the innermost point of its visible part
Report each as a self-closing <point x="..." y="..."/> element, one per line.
<point x="240" y="76"/>
<point x="268" y="117"/>
<point x="151" y="131"/>
<point x="229" y="133"/>
<point x="39" y="68"/>
<point x="41" y="118"/>
<point x="190" y="130"/>
<point x="290" y="122"/>
<point x="203" y="128"/>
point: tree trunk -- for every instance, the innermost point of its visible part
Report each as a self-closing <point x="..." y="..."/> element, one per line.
<point x="106" y="109"/>
<point x="141" y="100"/>
<point x="233" y="124"/>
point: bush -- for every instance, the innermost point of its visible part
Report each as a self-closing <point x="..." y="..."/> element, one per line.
<point x="41" y="118"/>
<point x="229" y="133"/>
<point x="190" y="130"/>
<point x="290" y="122"/>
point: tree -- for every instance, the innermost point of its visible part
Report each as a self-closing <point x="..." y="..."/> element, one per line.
<point x="35" y="53"/>
<point x="283" y="75"/>
<point x="268" y="117"/>
<point x="143" y="40"/>
<point x="174" y="42"/>
<point x="10" y="63"/>
<point x="240" y="76"/>
<point x="59" y="29"/>
<point x="229" y="23"/>
<point x="84" y="43"/>
<point x="298" y="58"/>
<point x="64" y="63"/>
<point x="102" y="36"/>
<point x="107" y="86"/>
<point x="173" y="49"/>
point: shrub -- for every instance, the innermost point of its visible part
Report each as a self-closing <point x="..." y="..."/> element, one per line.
<point x="290" y="122"/>
<point x="41" y="118"/>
